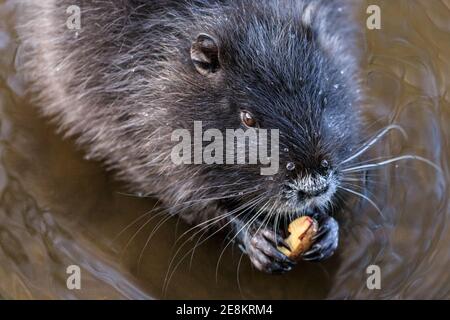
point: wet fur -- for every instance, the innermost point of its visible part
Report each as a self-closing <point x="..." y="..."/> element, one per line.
<point x="125" y="81"/>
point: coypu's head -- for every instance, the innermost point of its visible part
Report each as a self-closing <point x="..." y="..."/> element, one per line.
<point x="257" y="74"/>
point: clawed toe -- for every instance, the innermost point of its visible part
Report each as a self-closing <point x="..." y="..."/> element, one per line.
<point x="264" y="254"/>
<point x="326" y="241"/>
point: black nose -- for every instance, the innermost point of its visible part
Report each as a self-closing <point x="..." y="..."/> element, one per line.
<point x="306" y="194"/>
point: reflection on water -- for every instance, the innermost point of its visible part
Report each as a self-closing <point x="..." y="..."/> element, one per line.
<point x="58" y="209"/>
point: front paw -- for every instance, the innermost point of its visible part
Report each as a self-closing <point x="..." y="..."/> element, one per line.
<point x="261" y="247"/>
<point x="326" y="240"/>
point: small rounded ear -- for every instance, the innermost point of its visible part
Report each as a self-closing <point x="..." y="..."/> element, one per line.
<point x="205" y="54"/>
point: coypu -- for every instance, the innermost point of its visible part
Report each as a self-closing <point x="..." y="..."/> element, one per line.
<point x="137" y="70"/>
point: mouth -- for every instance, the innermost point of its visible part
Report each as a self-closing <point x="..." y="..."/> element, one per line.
<point x="312" y="193"/>
<point x="294" y="201"/>
<point x="311" y="190"/>
<point x="290" y="207"/>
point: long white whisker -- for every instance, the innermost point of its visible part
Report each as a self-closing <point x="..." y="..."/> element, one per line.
<point x="130" y="240"/>
<point x="157" y="227"/>
<point x="367" y="161"/>
<point x="215" y="218"/>
<point x="237" y="275"/>
<point x="169" y="274"/>
<point x="231" y="213"/>
<point x="192" y="203"/>
<point x="375" y="140"/>
<point x="366" y="198"/>
<point x="245" y="208"/>
<point x="159" y="214"/>
<point x="253" y="219"/>
<point x="382" y="163"/>
<point x="227" y="196"/>
<point x="142" y="216"/>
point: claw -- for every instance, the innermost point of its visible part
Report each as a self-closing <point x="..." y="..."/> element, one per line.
<point x="326" y="241"/>
<point x="272" y="251"/>
<point x="314" y="250"/>
<point x="275" y="238"/>
<point x="262" y="249"/>
<point x="318" y="258"/>
<point x="319" y="234"/>
<point x="281" y="270"/>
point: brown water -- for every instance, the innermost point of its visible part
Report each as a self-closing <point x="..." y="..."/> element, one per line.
<point x="59" y="209"/>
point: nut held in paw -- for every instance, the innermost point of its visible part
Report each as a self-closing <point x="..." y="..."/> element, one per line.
<point x="300" y="240"/>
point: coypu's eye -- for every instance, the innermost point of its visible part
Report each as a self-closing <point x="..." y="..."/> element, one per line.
<point x="248" y="119"/>
<point x="325" y="164"/>
<point x="205" y="54"/>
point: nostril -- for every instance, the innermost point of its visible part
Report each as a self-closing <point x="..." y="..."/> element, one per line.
<point x="302" y="195"/>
